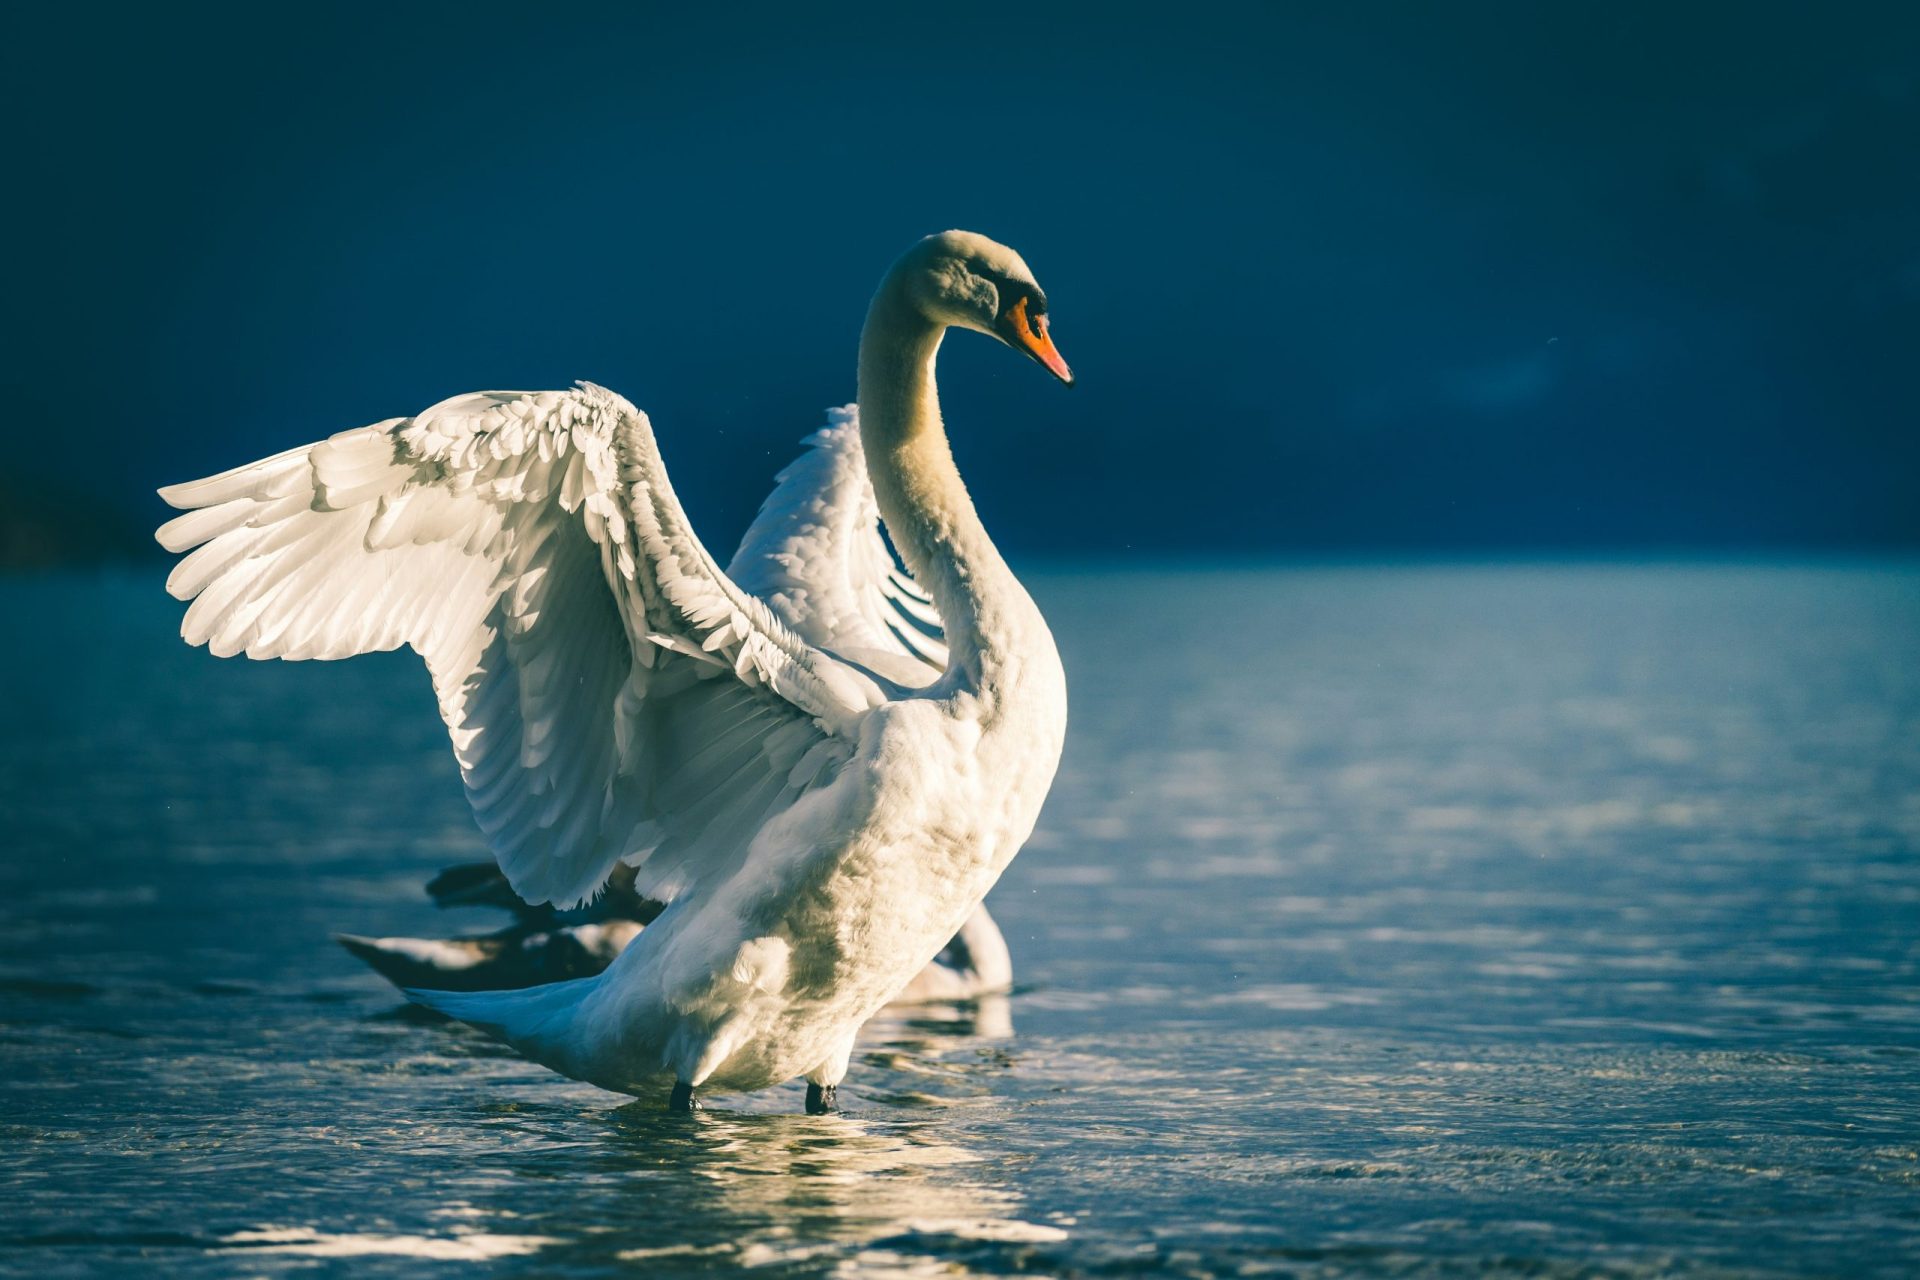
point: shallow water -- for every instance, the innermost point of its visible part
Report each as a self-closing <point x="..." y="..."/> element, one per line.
<point x="1416" y="921"/>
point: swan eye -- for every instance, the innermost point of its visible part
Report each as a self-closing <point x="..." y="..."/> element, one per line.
<point x="1027" y="314"/>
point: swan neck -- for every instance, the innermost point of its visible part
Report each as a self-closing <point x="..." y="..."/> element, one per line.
<point x="925" y="504"/>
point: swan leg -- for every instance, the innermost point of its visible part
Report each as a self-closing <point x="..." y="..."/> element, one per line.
<point x="823" y="1082"/>
<point x="682" y="1099"/>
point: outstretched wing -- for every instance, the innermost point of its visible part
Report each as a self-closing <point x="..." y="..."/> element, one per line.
<point x="611" y="694"/>
<point x="816" y="555"/>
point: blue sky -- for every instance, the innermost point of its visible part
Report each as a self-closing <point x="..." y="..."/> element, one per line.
<point x="1385" y="277"/>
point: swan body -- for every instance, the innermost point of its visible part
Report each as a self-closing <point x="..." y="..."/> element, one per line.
<point x="818" y="761"/>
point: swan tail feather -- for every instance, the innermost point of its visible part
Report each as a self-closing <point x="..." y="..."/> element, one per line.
<point x="544" y="1023"/>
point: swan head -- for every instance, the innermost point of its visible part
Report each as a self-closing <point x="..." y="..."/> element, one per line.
<point x="964" y="280"/>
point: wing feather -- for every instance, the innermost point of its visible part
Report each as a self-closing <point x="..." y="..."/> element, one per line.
<point x="610" y="693"/>
<point x="816" y="555"/>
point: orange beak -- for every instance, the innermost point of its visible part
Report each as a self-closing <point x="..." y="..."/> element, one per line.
<point x="1029" y="334"/>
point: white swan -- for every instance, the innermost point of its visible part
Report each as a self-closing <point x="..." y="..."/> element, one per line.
<point x="819" y="787"/>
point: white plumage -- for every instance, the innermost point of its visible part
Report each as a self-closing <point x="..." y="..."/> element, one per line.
<point x="819" y="764"/>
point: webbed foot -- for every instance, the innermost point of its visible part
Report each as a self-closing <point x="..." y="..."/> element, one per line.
<point x="822" y="1099"/>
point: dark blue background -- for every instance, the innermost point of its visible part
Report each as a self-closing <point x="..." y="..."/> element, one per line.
<point x="1334" y="277"/>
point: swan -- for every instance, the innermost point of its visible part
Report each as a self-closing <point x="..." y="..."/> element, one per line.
<point x="817" y="760"/>
<point x="544" y="945"/>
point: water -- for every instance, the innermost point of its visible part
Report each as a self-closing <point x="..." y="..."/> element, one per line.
<point x="1436" y="921"/>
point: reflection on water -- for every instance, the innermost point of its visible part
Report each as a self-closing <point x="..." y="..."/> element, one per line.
<point x="461" y="1246"/>
<point x="1383" y="922"/>
<point x="862" y="1193"/>
<point x="871" y="1192"/>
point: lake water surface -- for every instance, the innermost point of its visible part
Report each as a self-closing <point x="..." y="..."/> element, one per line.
<point x="1530" y="920"/>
